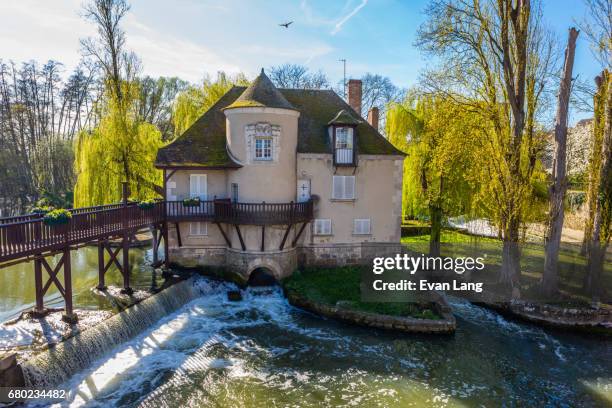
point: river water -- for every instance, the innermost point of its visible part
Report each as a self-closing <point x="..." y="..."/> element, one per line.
<point x="263" y="352"/>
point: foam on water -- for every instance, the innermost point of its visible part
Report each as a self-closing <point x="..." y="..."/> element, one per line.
<point x="263" y="351"/>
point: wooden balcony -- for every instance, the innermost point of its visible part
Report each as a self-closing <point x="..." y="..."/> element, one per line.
<point x="226" y="211"/>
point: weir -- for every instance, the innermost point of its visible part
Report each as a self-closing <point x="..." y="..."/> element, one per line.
<point x="56" y="365"/>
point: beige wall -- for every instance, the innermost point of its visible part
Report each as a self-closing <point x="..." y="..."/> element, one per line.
<point x="216" y="181"/>
<point x="271" y="181"/>
<point x="378" y="189"/>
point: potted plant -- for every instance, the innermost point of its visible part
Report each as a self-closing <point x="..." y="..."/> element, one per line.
<point x="146" y="204"/>
<point x="191" y="202"/>
<point x="57" y="219"/>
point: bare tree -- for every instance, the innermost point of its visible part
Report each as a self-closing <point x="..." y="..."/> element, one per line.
<point x="297" y="76"/>
<point x="558" y="188"/>
<point x="496" y="60"/>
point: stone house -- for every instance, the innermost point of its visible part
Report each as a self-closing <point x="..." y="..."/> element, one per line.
<point x="285" y="178"/>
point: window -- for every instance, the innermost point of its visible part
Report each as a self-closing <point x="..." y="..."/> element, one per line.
<point x="198" y="228"/>
<point x="235" y="192"/>
<point x="344" y="145"/>
<point x="343" y="188"/>
<point x="197" y="186"/>
<point x="322" y="226"/>
<point x="263" y="148"/>
<point x="361" y="226"/>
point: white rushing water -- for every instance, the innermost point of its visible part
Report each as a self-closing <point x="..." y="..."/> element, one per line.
<point x="263" y="352"/>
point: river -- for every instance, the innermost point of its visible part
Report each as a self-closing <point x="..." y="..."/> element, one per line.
<point x="263" y="352"/>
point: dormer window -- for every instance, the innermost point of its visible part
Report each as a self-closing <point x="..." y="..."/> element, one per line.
<point x="342" y="131"/>
<point x="343" y="151"/>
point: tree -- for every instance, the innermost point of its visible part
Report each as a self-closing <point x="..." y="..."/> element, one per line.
<point x="193" y="101"/>
<point x="297" y="76"/>
<point x="496" y="60"/>
<point x="442" y="143"/>
<point x="155" y="102"/>
<point x="558" y="188"/>
<point x="123" y="146"/>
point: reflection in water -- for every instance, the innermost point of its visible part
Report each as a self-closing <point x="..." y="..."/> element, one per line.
<point x="17" y="291"/>
<point x="263" y="352"/>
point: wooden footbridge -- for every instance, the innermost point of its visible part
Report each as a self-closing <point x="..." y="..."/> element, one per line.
<point x="28" y="239"/>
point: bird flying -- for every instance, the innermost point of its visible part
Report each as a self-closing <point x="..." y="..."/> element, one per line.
<point x="286" y="25"/>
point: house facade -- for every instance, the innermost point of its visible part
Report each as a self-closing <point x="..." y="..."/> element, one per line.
<point x="285" y="178"/>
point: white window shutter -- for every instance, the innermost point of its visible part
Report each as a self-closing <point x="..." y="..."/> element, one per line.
<point x="338" y="187"/>
<point x="197" y="186"/>
<point x="193" y="185"/>
<point x="322" y="226"/>
<point x="203" y="187"/>
<point x="361" y="226"/>
<point x="349" y="187"/>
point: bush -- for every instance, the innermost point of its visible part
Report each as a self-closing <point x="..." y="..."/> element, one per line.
<point x="191" y="202"/>
<point x="146" y="204"/>
<point x="41" y="210"/>
<point x="57" y="217"/>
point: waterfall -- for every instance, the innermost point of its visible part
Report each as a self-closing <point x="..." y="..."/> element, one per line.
<point x="57" y="364"/>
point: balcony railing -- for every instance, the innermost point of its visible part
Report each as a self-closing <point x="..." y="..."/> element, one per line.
<point x="344" y="156"/>
<point x="230" y="212"/>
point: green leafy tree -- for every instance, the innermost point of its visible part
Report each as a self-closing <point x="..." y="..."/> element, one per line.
<point x="192" y="102"/>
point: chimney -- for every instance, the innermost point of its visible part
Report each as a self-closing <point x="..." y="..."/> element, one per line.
<point x="354" y="95"/>
<point x="373" y="117"/>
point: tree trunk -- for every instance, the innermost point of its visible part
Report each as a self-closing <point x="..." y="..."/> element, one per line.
<point x="600" y="236"/>
<point x="435" y="215"/>
<point x="550" y="278"/>
<point x="511" y="263"/>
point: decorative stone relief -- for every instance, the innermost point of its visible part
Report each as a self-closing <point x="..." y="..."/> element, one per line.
<point x="262" y="129"/>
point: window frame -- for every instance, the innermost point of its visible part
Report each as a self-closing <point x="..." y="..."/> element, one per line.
<point x="200" y="225"/>
<point x="351" y="133"/>
<point x="263" y="149"/>
<point x="317" y="222"/>
<point x="344" y="196"/>
<point x="356" y="221"/>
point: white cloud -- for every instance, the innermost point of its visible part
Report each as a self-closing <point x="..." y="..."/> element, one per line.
<point x="346" y="18"/>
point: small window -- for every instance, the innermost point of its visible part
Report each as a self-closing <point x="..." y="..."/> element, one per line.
<point x="344" y="137"/>
<point x="263" y="148"/>
<point x="198" y="228"/>
<point x="361" y="226"/>
<point x="343" y="188"/>
<point x="235" y="192"/>
<point x="322" y="226"/>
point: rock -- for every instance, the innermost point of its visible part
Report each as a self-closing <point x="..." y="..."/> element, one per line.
<point x="234" y="295"/>
<point x="7" y="361"/>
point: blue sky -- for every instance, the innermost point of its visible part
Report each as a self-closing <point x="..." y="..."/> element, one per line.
<point x="191" y="38"/>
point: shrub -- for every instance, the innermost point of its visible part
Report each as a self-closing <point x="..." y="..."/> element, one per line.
<point x="57" y="217"/>
<point x="146" y="204"/>
<point x="41" y="210"/>
<point x="191" y="202"/>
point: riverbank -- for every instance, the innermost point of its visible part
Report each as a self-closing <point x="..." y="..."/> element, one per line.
<point x="335" y="293"/>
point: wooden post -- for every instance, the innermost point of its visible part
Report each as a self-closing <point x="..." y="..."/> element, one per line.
<point x="154" y="242"/>
<point x="166" y="246"/>
<point x="101" y="266"/>
<point x="39" y="310"/>
<point x="69" y="315"/>
<point x="126" y="264"/>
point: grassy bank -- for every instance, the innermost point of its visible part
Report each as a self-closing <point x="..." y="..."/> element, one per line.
<point x="340" y="287"/>
<point x="572" y="265"/>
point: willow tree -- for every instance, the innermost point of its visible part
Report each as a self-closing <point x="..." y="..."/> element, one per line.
<point x="496" y="60"/>
<point x="441" y="141"/>
<point x="121" y="148"/>
<point x="192" y="102"/>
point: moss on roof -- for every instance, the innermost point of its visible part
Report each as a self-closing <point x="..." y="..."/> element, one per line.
<point x="261" y="93"/>
<point x="343" y="118"/>
<point x="204" y="144"/>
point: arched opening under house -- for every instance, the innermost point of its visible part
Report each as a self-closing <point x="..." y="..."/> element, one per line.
<point x="262" y="276"/>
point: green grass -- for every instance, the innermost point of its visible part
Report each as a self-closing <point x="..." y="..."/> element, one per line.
<point x="340" y="287"/>
<point x="572" y="265"/>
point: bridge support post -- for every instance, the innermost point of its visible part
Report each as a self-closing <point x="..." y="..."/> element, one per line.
<point x="39" y="309"/>
<point x="155" y="244"/>
<point x="126" y="265"/>
<point x="69" y="315"/>
<point x="101" y="266"/>
<point x="166" y="245"/>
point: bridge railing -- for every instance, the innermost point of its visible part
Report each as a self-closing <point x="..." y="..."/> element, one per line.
<point x="29" y="235"/>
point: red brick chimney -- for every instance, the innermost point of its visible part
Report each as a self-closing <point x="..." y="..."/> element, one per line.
<point x="354" y="94"/>
<point x="373" y="117"/>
